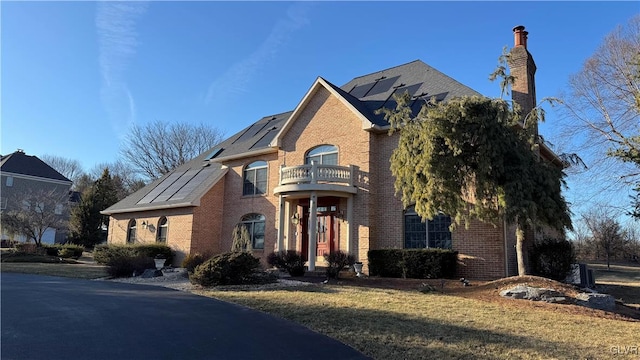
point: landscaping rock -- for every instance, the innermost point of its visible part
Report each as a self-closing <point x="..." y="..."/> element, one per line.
<point x="596" y="301"/>
<point x="151" y="273"/>
<point x="534" y="294"/>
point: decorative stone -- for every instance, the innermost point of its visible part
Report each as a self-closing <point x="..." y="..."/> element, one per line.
<point x="596" y="301"/>
<point x="151" y="273"/>
<point x="534" y="294"/>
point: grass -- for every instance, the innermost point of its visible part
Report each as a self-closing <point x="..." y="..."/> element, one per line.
<point x="622" y="281"/>
<point x="81" y="271"/>
<point x="401" y="324"/>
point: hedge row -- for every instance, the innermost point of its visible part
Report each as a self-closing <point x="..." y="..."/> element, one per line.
<point x="413" y="263"/>
<point x="105" y="253"/>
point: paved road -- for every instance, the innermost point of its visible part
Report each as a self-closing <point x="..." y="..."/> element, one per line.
<point x="58" y="318"/>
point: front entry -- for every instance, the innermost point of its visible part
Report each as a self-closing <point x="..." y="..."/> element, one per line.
<point x="327" y="233"/>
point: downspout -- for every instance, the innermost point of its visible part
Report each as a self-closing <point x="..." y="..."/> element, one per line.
<point x="506" y="247"/>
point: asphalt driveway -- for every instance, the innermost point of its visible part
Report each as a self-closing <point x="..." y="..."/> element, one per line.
<point x="59" y="318"/>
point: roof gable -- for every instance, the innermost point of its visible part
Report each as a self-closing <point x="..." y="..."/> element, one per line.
<point x="29" y="165"/>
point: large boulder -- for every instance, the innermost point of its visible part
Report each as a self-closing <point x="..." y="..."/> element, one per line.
<point x="596" y="301"/>
<point x="526" y="292"/>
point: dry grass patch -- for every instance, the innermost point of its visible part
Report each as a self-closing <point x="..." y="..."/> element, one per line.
<point x="407" y="324"/>
<point x="81" y="271"/>
<point x="621" y="281"/>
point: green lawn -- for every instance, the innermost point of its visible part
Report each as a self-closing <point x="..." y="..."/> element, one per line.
<point x="82" y="271"/>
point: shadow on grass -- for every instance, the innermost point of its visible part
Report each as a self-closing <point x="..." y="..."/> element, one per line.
<point x="383" y="334"/>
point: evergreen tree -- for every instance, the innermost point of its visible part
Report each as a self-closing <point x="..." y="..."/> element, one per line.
<point x="87" y="224"/>
<point x="471" y="158"/>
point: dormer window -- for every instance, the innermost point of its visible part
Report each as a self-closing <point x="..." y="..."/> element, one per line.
<point x="323" y="155"/>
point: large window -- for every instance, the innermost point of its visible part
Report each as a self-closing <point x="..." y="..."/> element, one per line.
<point x="433" y="233"/>
<point x="255" y="178"/>
<point x="255" y="226"/>
<point x="323" y="155"/>
<point x="163" y="227"/>
<point x="131" y="232"/>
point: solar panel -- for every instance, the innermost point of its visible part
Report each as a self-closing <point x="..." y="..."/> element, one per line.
<point x="359" y="91"/>
<point x="193" y="183"/>
<point x="251" y="131"/>
<point x="382" y="86"/>
<point x="265" y="140"/>
<point x="391" y="102"/>
<point x="160" y="188"/>
<point x="177" y="185"/>
<point x="214" y="153"/>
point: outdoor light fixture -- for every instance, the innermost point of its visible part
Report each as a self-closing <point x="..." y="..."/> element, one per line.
<point x="144" y="224"/>
<point x="295" y="219"/>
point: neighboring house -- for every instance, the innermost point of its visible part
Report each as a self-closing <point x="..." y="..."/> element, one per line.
<point x="29" y="184"/>
<point x="319" y="172"/>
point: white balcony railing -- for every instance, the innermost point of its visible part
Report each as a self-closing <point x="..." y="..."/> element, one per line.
<point x="315" y="173"/>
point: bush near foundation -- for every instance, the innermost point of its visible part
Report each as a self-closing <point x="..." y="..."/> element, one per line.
<point x="127" y="266"/>
<point x="102" y="254"/>
<point x="232" y="268"/>
<point x="552" y="258"/>
<point x="413" y="263"/>
<point x="290" y="261"/>
<point x="336" y="261"/>
<point x="192" y="261"/>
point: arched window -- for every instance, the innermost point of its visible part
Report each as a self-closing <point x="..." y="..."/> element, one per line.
<point x="433" y="233"/>
<point x="255" y="226"/>
<point x="255" y="178"/>
<point x="163" y="227"/>
<point x="323" y="155"/>
<point x="131" y="231"/>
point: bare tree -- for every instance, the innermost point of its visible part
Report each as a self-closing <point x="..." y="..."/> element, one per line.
<point x="603" y="108"/>
<point x="606" y="233"/>
<point x="70" y="168"/>
<point x="157" y="148"/>
<point x="31" y="213"/>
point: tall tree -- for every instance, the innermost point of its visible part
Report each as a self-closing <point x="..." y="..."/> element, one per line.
<point x="157" y="148"/>
<point x="125" y="179"/>
<point x="471" y="158"/>
<point x="607" y="234"/>
<point x="87" y="224"/>
<point x="32" y="212"/>
<point x="70" y="168"/>
<point x="603" y="105"/>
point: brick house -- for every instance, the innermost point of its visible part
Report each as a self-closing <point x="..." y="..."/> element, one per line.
<point x="29" y="184"/>
<point x="319" y="172"/>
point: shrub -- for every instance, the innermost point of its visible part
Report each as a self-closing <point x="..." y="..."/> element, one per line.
<point x="126" y="266"/>
<point x="102" y="254"/>
<point x="51" y="250"/>
<point x="413" y="263"/>
<point x="336" y="261"/>
<point x="26" y="248"/>
<point x="70" y="251"/>
<point x="290" y="261"/>
<point x="552" y="258"/>
<point x="191" y="261"/>
<point x="230" y="268"/>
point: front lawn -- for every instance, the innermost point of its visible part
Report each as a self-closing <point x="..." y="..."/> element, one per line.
<point x="407" y="324"/>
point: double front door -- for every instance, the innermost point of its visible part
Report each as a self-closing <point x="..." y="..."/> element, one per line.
<point x="327" y="231"/>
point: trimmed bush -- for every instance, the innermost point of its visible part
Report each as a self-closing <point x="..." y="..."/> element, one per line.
<point x="192" y="261"/>
<point x="102" y="254"/>
<point x="290" y="261"/>
<point x="51" y="250"/>
<point x="413" y="263"/>
<point x="70" y="251"/>
<point x="26" y="248"/>
<point x="230" y="268"/>
<point x="552" y="258"/>
<point x="127" y="266"/>
<point x="336" y="261"/>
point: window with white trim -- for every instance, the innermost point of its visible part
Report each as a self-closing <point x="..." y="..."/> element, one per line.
<point x="255" y="224"/>
<point x="255" y="178"/>
<point x="433" y="233"/>
<point x="323" y="155"/>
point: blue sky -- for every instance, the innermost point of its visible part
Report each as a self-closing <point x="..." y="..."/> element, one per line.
<point x="76" y="75"/>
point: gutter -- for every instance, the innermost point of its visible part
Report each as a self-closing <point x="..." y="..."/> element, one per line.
<point x="268" y="150"/>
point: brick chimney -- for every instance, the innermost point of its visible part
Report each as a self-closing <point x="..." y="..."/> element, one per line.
<point x="523" y="68"/>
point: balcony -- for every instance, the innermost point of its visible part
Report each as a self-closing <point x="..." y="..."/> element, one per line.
<point x="317" y="177"/>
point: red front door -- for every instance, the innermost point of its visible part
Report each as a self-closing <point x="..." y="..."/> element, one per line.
<point x="327" y="231"/>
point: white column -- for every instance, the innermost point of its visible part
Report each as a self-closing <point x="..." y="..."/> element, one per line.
<point x="350" y="224"/>
<point x="281" y="223"/>
<point x="313" y="228"/>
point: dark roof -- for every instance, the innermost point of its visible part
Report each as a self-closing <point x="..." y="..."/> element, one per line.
<point x="184" y="185"/>
<point x="420" y="80"/>
<point x="20" y="163"/>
